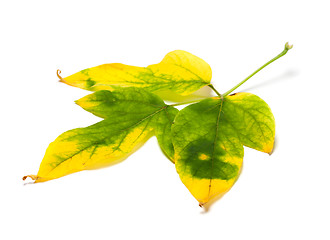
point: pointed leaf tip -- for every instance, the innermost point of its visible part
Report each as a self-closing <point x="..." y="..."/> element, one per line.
<point x="33" y="177"/>
<point x="59" y="76"/>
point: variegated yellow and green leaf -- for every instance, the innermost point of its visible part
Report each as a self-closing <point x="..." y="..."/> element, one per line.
<point x="99" y="145"/>
<point x="131" y="117"/>
<point x="180" y="72"/>
<point x="208" y="139"/>
<point x="134" y="103"/>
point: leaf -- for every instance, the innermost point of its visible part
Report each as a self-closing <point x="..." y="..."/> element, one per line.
<point x="208" y="139"/>
<point x="163" y="131"/>
<point x="99" y="145"/>
<point x="134" y="102"/>
<point x="131" y="116"/>
<point x="253" y="120"/>
<point x="123" y="103"/>
<point x="179" y="71"/>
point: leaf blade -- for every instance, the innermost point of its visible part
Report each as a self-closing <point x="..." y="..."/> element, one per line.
<point x="207" y="162"/>
<point x="113" y="139"/>
<point x="130" y="102"/>
<point x="96" y="146"/>
<point x="208" y="139"/>
<point x="179" y="71"/>
<point x="126" y="102"/>
<point x="253" y="119"/>
<point x="163" y="131"/>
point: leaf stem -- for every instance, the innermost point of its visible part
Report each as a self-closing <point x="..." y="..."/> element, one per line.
<point x="212" y="87"/>
<point x="287" y="47"/>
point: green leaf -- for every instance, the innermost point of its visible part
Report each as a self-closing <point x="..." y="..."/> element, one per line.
<point x="132" y="103"/>
<point x="208" y="139"/>
<point x="131" y="117"/>
<point x="253" y="120"/>
<point x="163" y="131"/>
<point x="122" y="103"/>
<point x="180" y="72"/>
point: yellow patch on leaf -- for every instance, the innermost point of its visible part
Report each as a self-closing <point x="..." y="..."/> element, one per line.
<point x="205" y="189"/>
<point x="203" y="156"/>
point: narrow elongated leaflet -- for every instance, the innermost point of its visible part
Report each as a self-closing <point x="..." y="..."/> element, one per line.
<point x="99" y="145"/>
<point x="208" y="139"/>
<point x="131" y="117"/>
<point x="179" y="71"/>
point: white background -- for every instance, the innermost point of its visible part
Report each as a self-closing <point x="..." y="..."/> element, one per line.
<point x="282" y="196"/>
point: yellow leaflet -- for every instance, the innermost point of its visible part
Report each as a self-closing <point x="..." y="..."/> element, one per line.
<point x="90" y="148"/>
<point x="179" y="71"/>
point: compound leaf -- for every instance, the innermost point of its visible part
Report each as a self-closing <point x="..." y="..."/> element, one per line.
<point x="131" y="116"/>
<point x="208" y="139"/>
<point x="179" y="71"/>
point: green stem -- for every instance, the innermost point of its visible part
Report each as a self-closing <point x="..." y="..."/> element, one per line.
<point x="185" y="103"/>
<point x="211" y="86"/>
<point x="286" y="49"/>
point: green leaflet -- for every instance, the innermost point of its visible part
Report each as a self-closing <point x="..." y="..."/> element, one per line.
<point x="134" y="103"/>
<point x="253" y="120"/>
<point x="208" y="140"/>
<point x="122" y="103"/>
<point x="163" y="131"/>
<point x="131" y="115"/>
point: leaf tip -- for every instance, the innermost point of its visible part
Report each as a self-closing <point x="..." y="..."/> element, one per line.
<point x="268" y="147"/>
<point x="33" y="177"/>
<point x="58" y="72"/>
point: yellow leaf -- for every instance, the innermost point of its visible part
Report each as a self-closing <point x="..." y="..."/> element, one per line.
<point x="99" y="145"/>
<point x="179" y="71"/>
